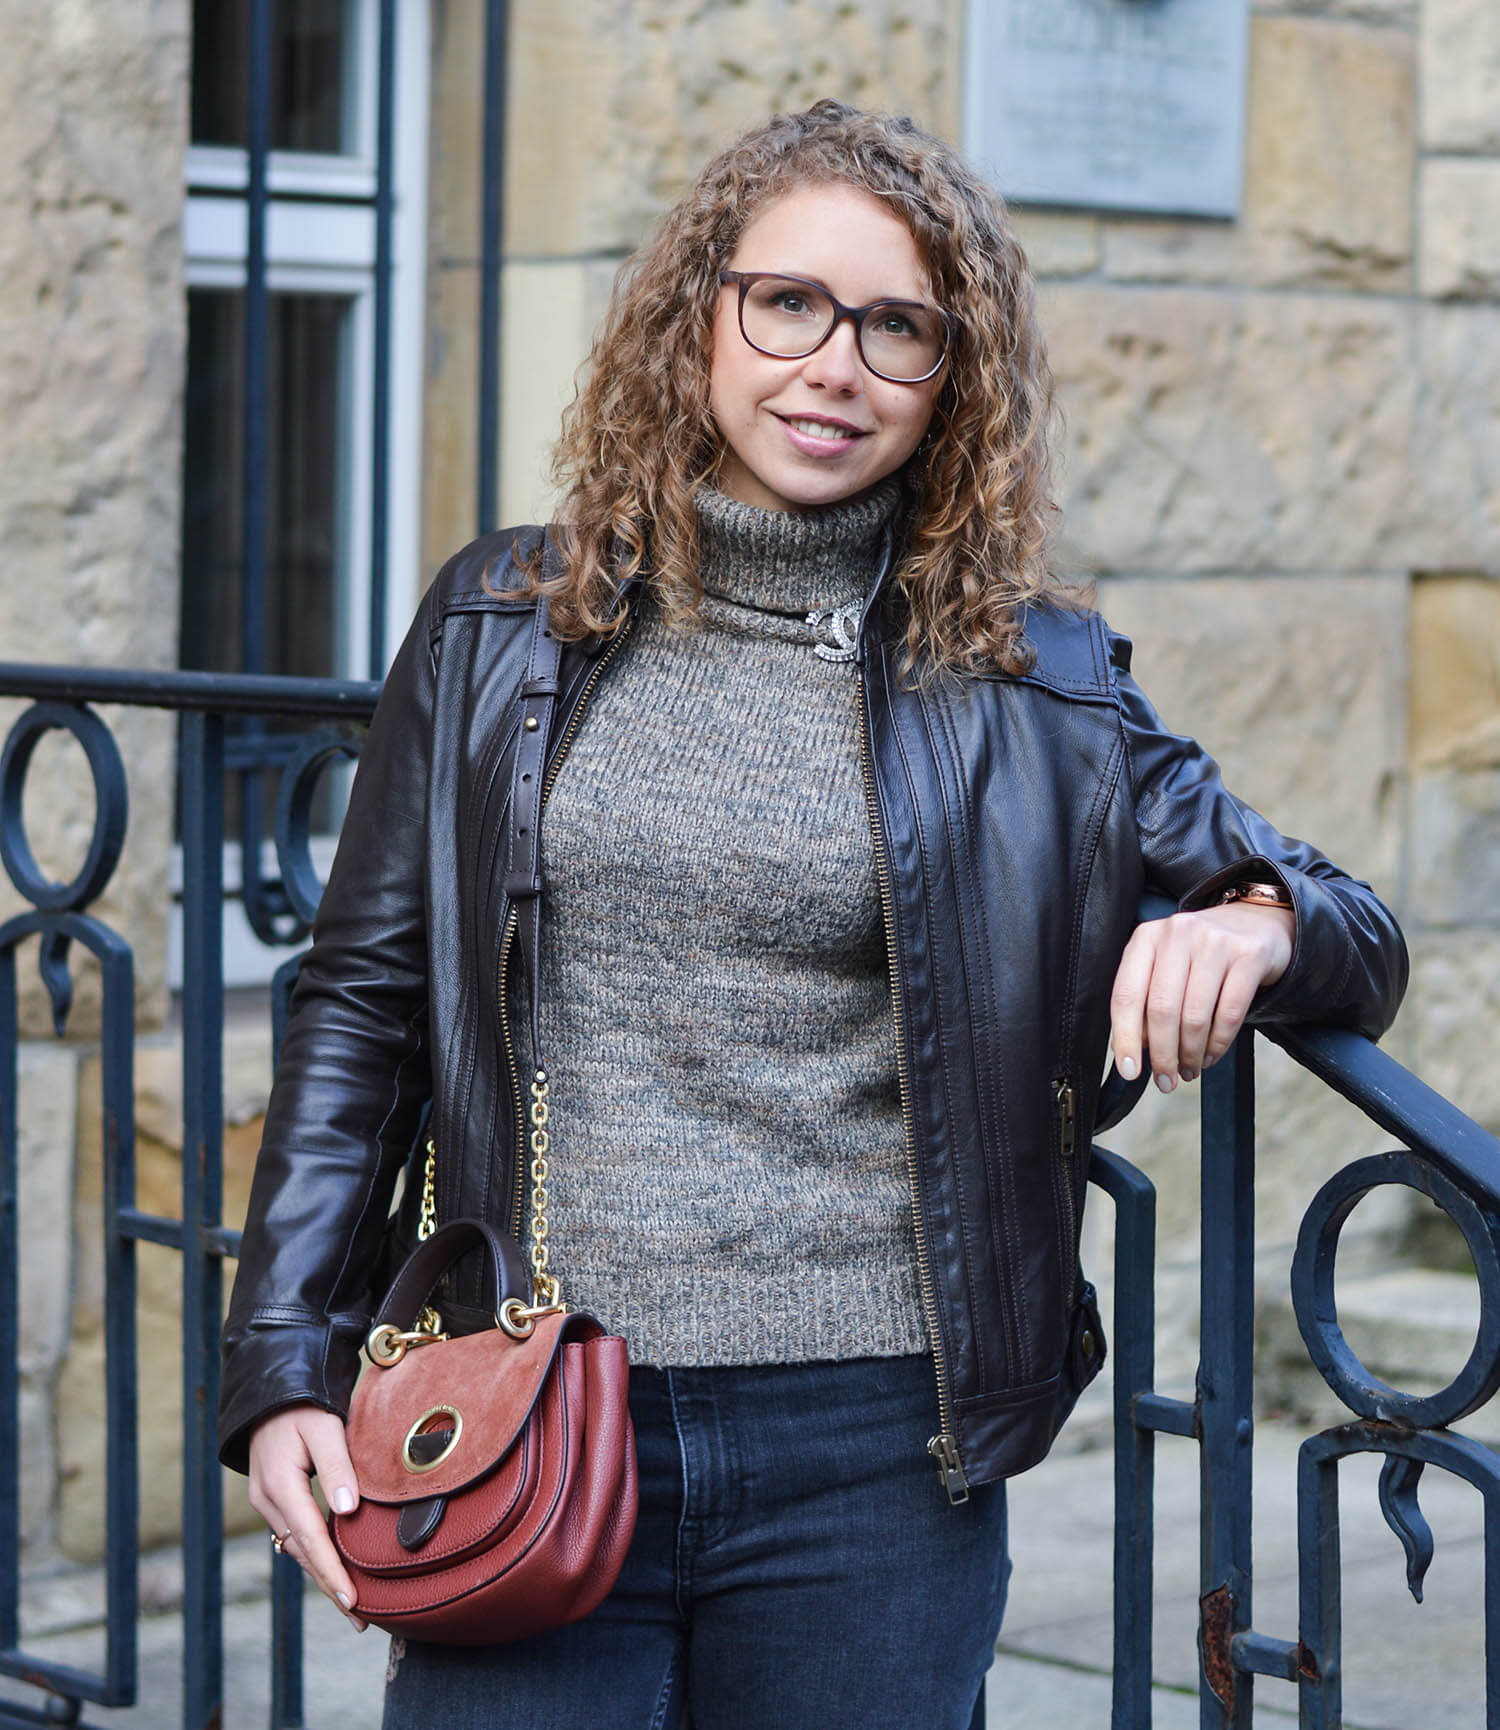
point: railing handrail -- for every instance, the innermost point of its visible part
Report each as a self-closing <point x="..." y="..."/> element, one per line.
<point x="1390" y="1095"/>
<point x="220" y="693"/>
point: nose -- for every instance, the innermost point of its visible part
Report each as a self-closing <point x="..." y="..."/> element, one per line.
<point x="836" y="364"/>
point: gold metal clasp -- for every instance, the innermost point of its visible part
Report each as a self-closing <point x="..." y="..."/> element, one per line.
<point x="440" y="1427"/>
<point x="388" y="1344"/>
<point x="518" y="1319"/>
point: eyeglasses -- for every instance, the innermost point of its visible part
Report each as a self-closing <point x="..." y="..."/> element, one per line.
<point x="788" y="318"/>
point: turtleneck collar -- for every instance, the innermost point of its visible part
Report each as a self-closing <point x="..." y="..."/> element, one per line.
<point x="792" y="562"/>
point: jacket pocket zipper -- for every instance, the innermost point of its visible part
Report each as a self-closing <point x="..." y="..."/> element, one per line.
<point x="1065" y="1113"/>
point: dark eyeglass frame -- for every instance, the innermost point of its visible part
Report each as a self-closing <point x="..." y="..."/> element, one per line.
<point x="746" y="279"/>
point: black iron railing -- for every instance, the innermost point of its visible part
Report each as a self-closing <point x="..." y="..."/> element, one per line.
<point x="1439" y="1152"/>
<point x="58" y="916"/>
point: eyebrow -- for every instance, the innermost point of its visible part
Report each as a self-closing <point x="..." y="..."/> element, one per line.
<point x="818" y="282"/>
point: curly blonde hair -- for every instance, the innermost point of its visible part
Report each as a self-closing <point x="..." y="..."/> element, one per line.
<point x="639" y="440"/>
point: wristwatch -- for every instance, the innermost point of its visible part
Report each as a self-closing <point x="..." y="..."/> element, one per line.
<point x="1256" y="895"/>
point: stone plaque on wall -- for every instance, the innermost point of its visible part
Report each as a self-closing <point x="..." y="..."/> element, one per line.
<point x="1110" y="104"/>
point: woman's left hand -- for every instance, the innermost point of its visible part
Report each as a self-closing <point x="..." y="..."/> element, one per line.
<point x="1185" y="985"/>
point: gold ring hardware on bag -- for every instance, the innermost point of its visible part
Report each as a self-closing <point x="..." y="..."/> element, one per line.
<point x="518" y="1319"/>
<point x="388" y="1344"/>
<point x="452" y="1427"/>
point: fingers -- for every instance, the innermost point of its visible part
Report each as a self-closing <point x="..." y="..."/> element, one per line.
<point x="1185" y="985"/>
<point x="284" y="1450"/>
<point x="1127" y="1003"/>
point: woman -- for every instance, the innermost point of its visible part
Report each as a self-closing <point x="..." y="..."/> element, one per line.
<point x="842" y="872"/>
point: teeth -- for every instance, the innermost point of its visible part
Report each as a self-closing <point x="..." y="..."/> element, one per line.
<point x="818" y="429"/>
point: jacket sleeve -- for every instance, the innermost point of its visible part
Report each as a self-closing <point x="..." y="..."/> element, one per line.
<point x="351" y="1082"/>
<point x="1349" y="962"/>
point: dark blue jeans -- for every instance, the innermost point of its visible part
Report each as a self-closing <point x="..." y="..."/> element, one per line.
<point x="795" y="1562"/>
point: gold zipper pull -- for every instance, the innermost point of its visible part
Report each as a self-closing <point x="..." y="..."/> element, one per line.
<point x="1067" y="1114"/>
<point x="944" y="1450"/>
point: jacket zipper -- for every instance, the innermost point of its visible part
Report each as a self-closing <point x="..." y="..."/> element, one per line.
<point x="943" y="1447"/>
<point x="518" y="1194"/>
<point x="1065" y="1110"/>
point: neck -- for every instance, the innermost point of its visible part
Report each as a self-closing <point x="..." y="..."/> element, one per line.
<point x="792" y="562"/>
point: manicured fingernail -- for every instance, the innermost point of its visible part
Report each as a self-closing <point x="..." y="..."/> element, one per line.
<point x="343" y="1500"/>
<point x="1209" y="1062"/>
<point x="1166" y="1082"/>
<point x="1129" y="1068"/>
<point x="343" y="1598"/>
<point x="1190" y="1075"/>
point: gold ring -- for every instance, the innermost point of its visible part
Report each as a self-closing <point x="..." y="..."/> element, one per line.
<point x="278" y="1544"/>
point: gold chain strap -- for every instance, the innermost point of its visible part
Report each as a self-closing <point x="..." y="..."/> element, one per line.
<point x="388" y="1345"/>
<point x="427" y="1223"/>
<point x="546" y="1291"/>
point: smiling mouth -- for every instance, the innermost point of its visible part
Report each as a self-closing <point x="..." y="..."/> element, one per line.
<point x="822" y="429"/>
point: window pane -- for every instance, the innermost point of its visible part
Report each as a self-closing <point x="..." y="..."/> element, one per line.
<point x="303" y="605"/>
<point x="305" y="389"/>
<point x="312" y="74"/>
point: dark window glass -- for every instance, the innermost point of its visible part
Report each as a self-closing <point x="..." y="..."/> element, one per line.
<point x="300" y="607"/>
<point x="305" y="390"/>
<point x="312" y="104"/>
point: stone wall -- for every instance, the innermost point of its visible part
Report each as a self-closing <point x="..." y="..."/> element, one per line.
<point x="93" y="125"/>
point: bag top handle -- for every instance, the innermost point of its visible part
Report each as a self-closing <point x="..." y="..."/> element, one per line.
<point x="432" y="1258"/>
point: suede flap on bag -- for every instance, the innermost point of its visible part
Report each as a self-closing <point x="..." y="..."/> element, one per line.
<point x="488" y="1381"/>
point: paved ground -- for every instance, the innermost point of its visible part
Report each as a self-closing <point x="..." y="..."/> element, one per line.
<point x="1406" y="1667"/>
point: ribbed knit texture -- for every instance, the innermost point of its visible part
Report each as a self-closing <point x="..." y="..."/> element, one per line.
<point x="729" y="1181"/>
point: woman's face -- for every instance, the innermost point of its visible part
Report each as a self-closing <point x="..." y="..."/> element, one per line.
<point x="814" y="431"/>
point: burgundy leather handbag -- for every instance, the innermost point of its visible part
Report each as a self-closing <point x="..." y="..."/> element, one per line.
<point x="496" y="1470"/>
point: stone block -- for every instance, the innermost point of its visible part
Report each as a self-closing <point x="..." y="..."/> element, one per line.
<point x="455" y="183"/>
<point x="1459" y="50"/>
<point x="1454" y="1006"/>
<point x="46" y="1077"/>
<point x="1455" y="846"/>
<point x="1460" y="226"/>
<point x="614" y="109"/>
<point x="1454" y="483"/>
<point x="547" y="334"/>
<point x="46" y="1111"/>
<point x="1455" y="673"/>
<point x="1363" y="11"/>
<point x="1298" y="715"/>
<point x="450" y="411"/>
<point x="1224" y="432"/>
<point x="1329" y="159"/>
<point x="1059" y="244"/>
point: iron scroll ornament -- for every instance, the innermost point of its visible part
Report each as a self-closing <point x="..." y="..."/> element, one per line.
<point x="106" y="842"/>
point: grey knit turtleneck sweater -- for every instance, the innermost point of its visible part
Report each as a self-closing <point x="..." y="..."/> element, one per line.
<point x="729" y="1182"/>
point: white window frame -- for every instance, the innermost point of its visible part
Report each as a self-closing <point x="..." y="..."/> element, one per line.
<point x="315" y="245"/>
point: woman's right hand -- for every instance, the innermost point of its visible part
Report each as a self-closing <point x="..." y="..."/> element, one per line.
<point x="286" y="1450"/>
